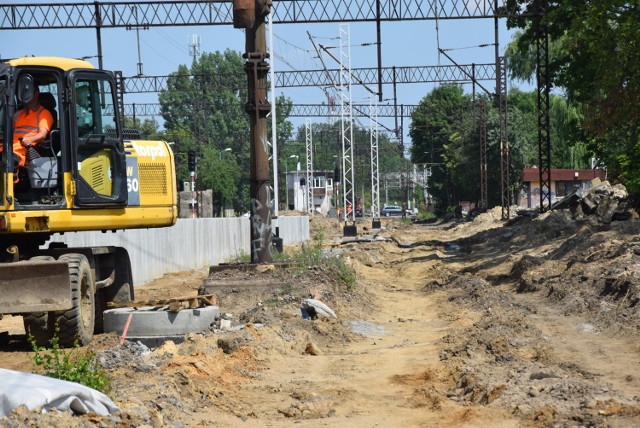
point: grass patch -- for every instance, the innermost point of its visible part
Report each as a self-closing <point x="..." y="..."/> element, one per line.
<point x="346" y="273"/>
<point x="313" y="254"/>
<point x="309" y="255"/>
<point x="239" y="258"/>
<point x="426" y="216"/>
<point x="278" y="299"/>
<point x="72" y="365"/>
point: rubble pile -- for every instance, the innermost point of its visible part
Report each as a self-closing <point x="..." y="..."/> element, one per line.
<point x="602" y="203"/>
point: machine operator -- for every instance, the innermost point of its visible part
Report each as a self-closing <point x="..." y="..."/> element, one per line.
<point x="31" y="126"/>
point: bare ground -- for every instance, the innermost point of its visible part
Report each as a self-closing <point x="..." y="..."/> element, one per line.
<point x="528" y="323"/>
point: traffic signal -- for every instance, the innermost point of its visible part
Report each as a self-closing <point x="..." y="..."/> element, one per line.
<point x="192" y="160"/>
<point x="303" y="181"/>
<point x="336" y="175"/>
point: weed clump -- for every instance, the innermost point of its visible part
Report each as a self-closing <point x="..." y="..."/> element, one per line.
<point x="72" y="365"/>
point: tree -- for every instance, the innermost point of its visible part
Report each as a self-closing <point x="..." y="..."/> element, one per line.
<point x="148" y="129"/>
<point x="566" y="134"/>
<point x="595" y="59"/>
<point x="445" y="139"/>
<point x="284" y="127"/>
<point x="204" y="106"/>
<point x="438" y="131"/>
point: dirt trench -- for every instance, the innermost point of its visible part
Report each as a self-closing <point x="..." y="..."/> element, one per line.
<point x="530" y="323"/>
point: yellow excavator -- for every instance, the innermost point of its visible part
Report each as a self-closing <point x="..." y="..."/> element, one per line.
<point x="85" y="175"/>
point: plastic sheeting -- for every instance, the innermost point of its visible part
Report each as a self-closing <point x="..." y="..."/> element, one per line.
<point x="315" y="308"/>
<point x="32" y="390"/>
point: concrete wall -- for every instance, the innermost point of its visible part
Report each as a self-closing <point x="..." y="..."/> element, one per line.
<point x="190" y="244"/>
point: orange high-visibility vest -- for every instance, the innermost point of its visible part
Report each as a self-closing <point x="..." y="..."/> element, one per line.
<point x="28" y="122"/>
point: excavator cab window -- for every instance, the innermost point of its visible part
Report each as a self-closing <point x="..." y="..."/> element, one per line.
<point x="99" y="153"/>
<point x="94" y="109"/>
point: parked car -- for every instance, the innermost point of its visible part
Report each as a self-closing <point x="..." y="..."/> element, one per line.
<point x="390" y="210"/>
<point x="412" y="212"/>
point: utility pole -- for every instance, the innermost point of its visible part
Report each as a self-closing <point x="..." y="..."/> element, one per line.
<point x="250" y="15"/>
<point x="191" y="163"/>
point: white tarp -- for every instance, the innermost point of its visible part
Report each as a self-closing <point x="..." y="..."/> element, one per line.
<point x="32" y="390"/>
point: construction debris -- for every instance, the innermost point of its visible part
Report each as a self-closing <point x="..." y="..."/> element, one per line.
<point x="315" y="308"/>
<point x="602" y="202"/>
<point x="174" y="304"/>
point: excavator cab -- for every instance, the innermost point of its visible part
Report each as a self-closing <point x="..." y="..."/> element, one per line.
<point x="84" y="146"/>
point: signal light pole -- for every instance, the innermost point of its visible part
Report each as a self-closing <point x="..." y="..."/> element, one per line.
<point x="191" y="163"/>
<point x="250" y="15"/>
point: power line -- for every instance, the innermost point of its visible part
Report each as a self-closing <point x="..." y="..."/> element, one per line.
<point x="485" y="45"/>
<point x="170" y="40"/>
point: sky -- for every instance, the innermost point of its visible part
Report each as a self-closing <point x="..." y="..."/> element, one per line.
<point x="163" y="49"/>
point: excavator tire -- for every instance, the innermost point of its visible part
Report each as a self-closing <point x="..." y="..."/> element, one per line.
<point x="77" y="323"/>
<point x="36" y="325"/>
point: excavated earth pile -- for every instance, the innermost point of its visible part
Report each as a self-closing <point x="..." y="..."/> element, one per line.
<point x="554" y="294"/>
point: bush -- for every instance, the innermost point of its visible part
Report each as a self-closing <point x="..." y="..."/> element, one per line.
<point x="346" y="273"/>
<point x="73" y="365"/>
<point x="426" y="216"/>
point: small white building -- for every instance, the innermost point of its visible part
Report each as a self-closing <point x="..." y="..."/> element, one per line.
<point x="321" y="187"/>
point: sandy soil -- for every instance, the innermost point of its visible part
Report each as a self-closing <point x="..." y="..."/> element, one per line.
<point x="484" y="323"/>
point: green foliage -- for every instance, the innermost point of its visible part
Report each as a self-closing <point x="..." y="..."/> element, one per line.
<point x="310" y="255"/>
<point x="313" y="255"/>
<point x="628" y="163"/>
<point x="426" y="216"/>
<point x="405" y="221"/>
<point x="620" y="150"/>
<point x="300" y="261"/>
<point x="438" y="130"/>
<point x="73" y="365"/>
<point x="240" y="257"/>
<point x="206" y="112"/>
<point x="445" y="138"/>
<point x="284" y="127"/>
<point x="278" y="301"/>
<point x="594" y="60"/>
<point x="148" y="129"/>
<point x="346" y="273"/>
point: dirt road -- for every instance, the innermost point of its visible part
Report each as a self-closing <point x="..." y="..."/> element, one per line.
<point x="529" y="323"/>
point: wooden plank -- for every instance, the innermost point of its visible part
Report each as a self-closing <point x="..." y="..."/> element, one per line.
<point x="174" y="303"/>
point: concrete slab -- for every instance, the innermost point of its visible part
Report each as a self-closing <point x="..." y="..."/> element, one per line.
<point x="152" y="325"/>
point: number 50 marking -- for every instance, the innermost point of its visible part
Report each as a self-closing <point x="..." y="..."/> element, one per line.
<point x="132" y="185"/>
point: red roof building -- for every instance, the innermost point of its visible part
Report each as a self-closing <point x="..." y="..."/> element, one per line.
<point x="563" y="183"/>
